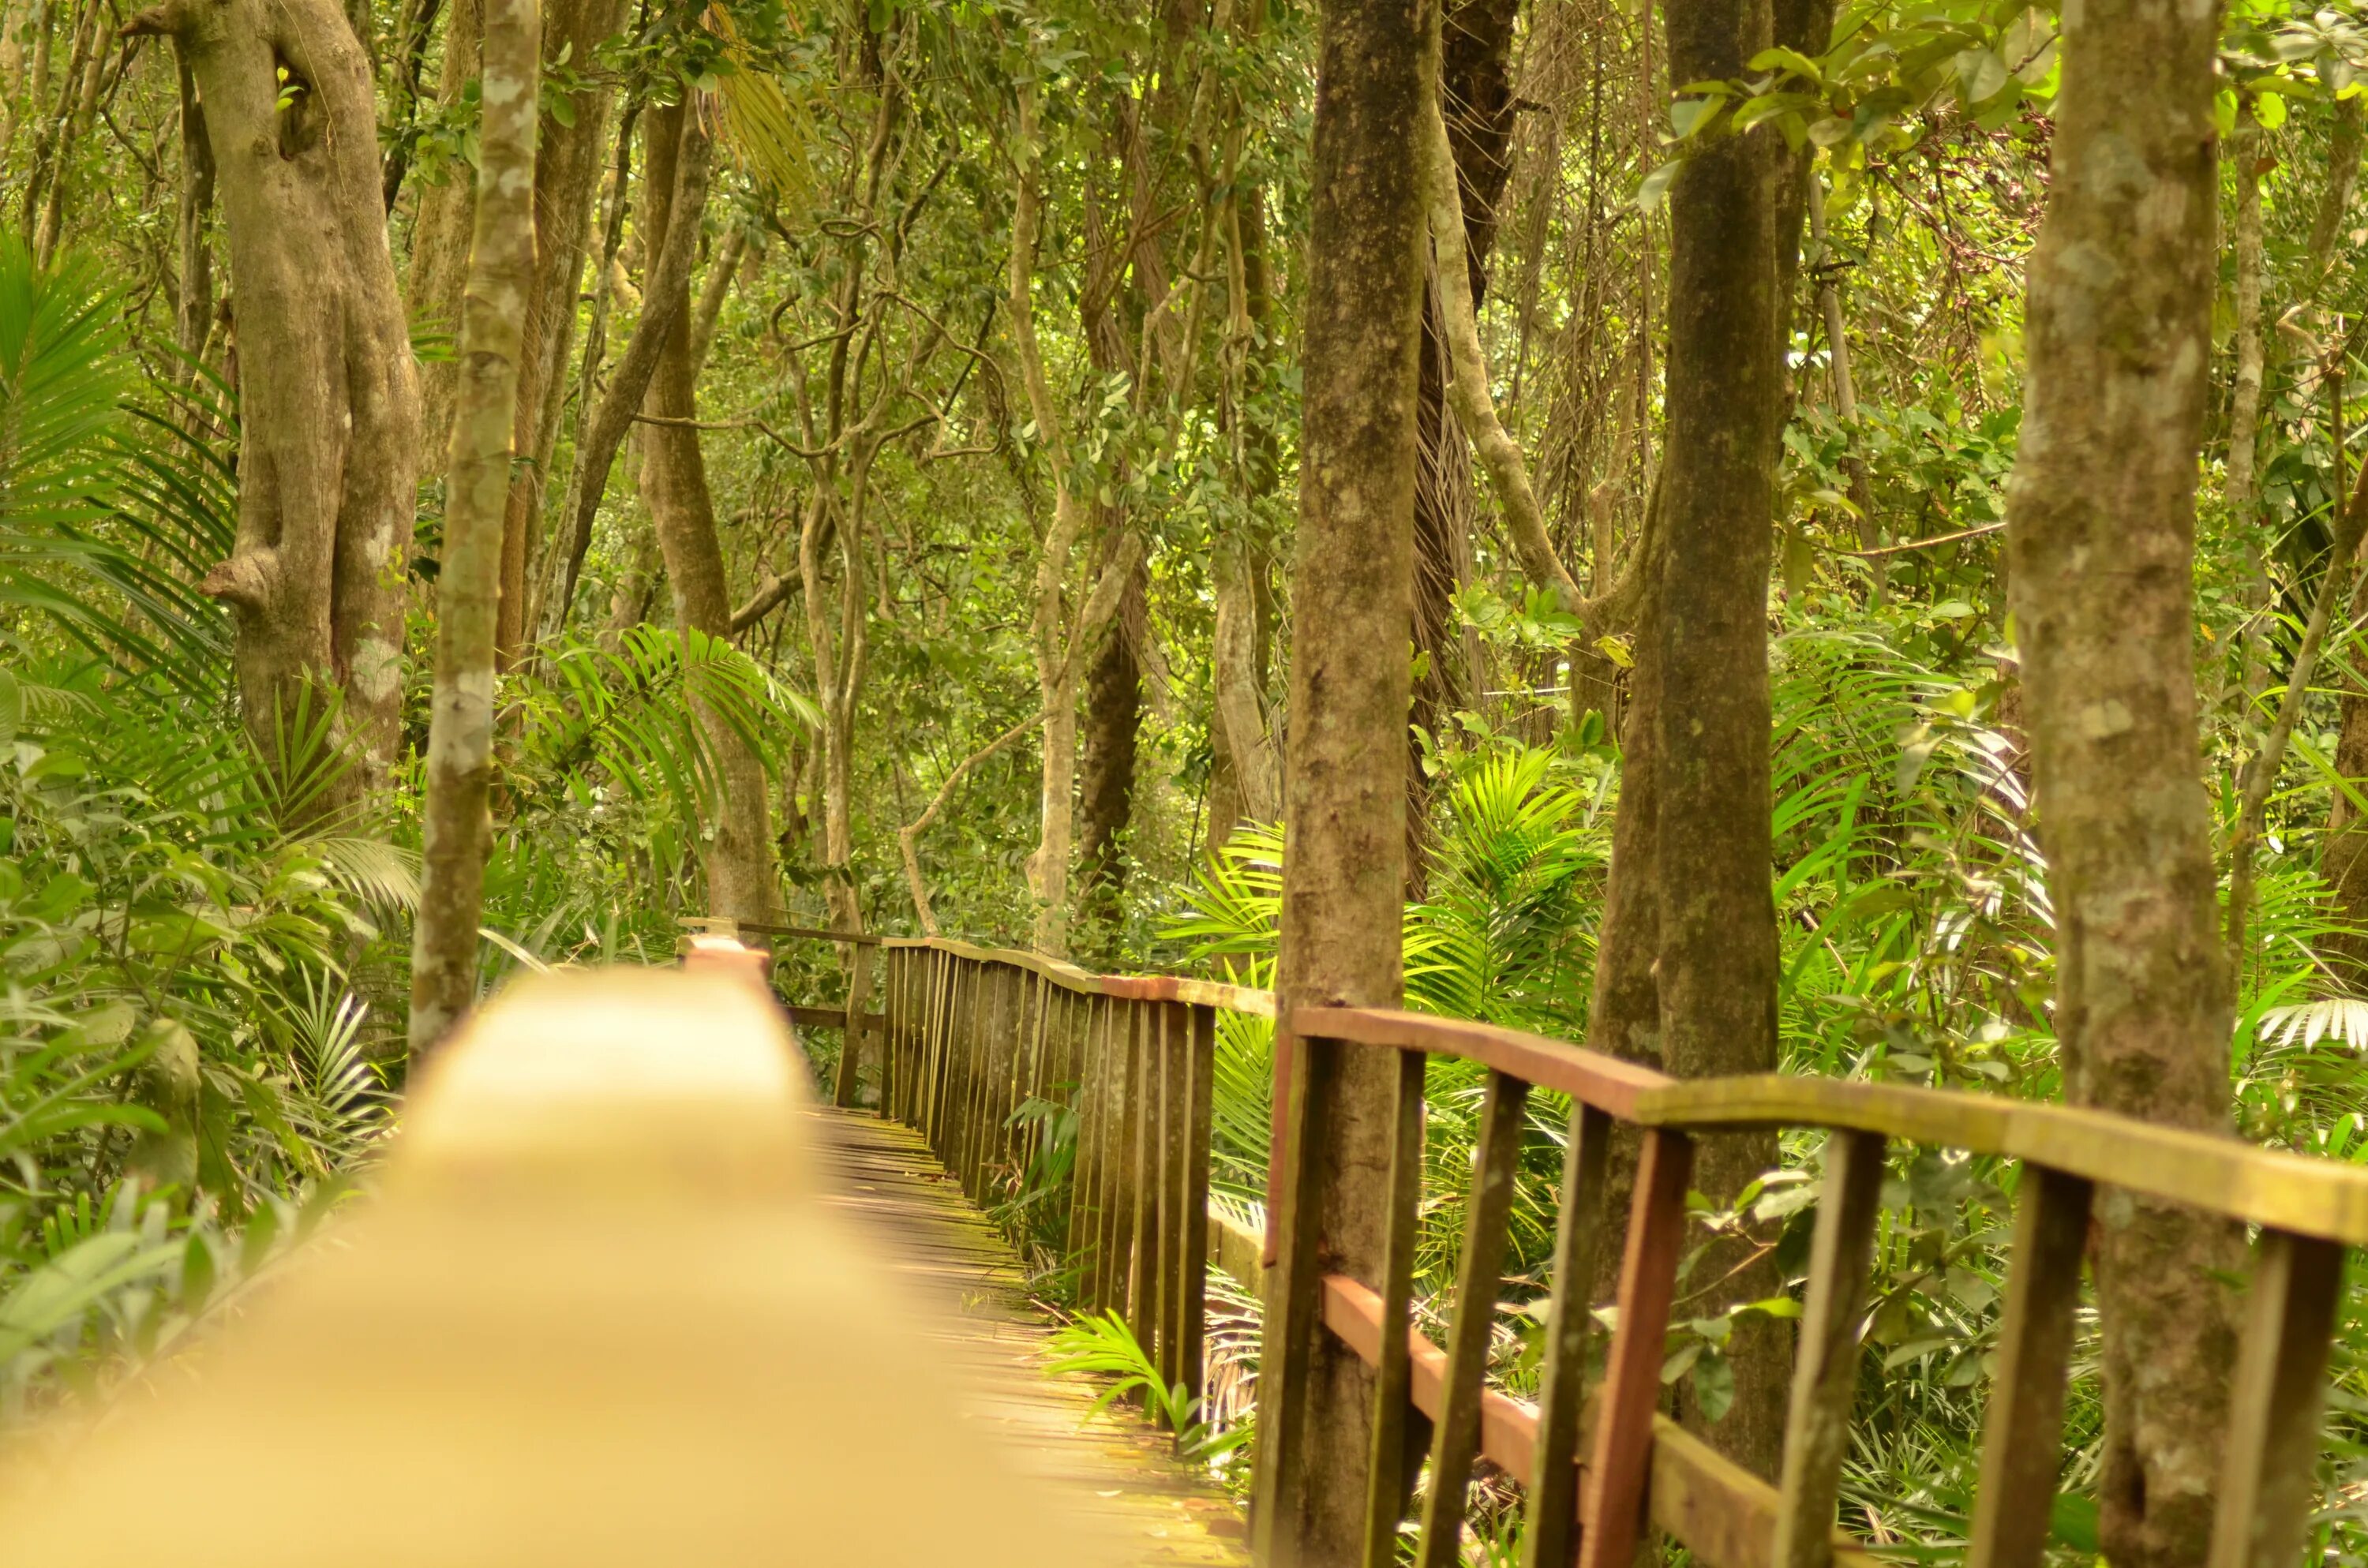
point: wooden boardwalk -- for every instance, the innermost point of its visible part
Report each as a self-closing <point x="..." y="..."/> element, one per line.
<point x="1128" y="1489"/>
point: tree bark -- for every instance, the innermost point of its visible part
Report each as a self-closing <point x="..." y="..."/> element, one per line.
<point x="739" y="849"/>
<point x="2100" y="550"/>
<point x="439" y="236"/>
<point x="566" y="179"/>
<point x="1714" y="856"/>
<point x="665" y="296"/>
<point x="194" y="315"/>
<point x="1105" y="784"/>
<point x="1476" y="96"/>
<point x="1351" y="686"/>
<point x="327" y="388"/>
<point x="456" y="819"/>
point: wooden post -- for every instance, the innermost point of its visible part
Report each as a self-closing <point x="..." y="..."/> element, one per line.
<point x="1548" y="1535"/>
<point x="1390" y="1470"/>
<point x="1201" y="1046"/>
<point x="1825" y="1368"/>
<point x="1632" y="1383"/>
<point x="850" y="1038"/>
<point x="2275" y="1409"/>
<point x="1455" y="1437"/>
<point x="2022" y="1432"/>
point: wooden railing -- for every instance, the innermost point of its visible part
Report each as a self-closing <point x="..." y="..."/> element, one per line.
<point x="972" y="1034"/>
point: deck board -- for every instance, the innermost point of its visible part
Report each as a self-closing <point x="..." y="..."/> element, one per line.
<point x="1126" y="1486"/>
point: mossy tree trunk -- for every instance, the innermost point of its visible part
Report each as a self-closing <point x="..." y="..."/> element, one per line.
<point x="327" y="390"/>
<point x="2100" y="546"/>
<point x="455" y="818"/>
<point x="1345" y="795"/>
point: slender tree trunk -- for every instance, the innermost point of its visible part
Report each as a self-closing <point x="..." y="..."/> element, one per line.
<point x="566" y="181"/>
<point x="2100" y="547"/>
<point x="1350" y="691"/>
<point x="1106" y="794"/>
<point x="667" y="293"/>
<point x="1056" y="671"/>
<point x="456" y="819"/>
<point x="739" y="850"/>
<point x="2240" y="490"/>
<point x="195" y="312"/>
<point x="439" y="238"/>
<point x="329" y="399"/>
<point x="1717" y="915"/>
<point x="1475" y="94"/>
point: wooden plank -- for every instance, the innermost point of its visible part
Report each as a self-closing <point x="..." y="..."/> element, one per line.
<point x="1587" y="1075"/>
<point x="1632" y="1383"/>
<point x="2281" y="1389"/>
<point x="1824" y="1363"/>
<point x="2022" y="1432"/>
<point x="1390" y="1470"/>
<point x="1237" y="1250"/>
<point x="1547" y="1537"/>
<point x="1479" y="1273"/>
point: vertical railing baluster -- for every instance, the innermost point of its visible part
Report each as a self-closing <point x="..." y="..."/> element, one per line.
<point x="2281" y="1388"/>
<point x="1632" y="1383"/>
<point x="1118" y="1168"/>
<point x="1163" y="1107"/>
<point x="1455" y="1439"/>
<point x="892" y="1013"/>
<point x="1142" y="1125"/>
<point x="1295" y="1294"/>
<point x="1084" y="1205"/>
<point x="850" y="1038"/>
<point x="1199" y="1067"/>
<point x="1389" y="1476"/>
<point x="2023" y="1428"/>
<point x="1175" y="1200"/>
<point x="1551" y="1522"/>
<point x="1824" y="1364"/>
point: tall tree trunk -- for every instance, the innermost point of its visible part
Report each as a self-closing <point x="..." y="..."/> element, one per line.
<point x="2240" y="489"/>
<point x="439" y="236"/>
<point x="1246" y="778"/>
<point x="2100" y="550"/>
<point x="739" y="850"/>
<point x="194" y="313"/>
<point x="327" y="388"/>
<point x="566" y="179"/>
<point x="1106" y="782"/>
<point x="1349" y="690"/>
<point x="1056" y="671"/>
<point x="1476" y="97"/>
<point x="666" y="294"/>
<point x="1717" y="914"/>
<point x="456" y="819"/>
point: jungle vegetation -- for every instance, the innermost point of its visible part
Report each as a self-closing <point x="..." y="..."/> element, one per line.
<point x="1749" y="536"/>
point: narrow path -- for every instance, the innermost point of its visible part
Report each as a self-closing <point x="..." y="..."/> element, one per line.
<point x="1128" y="1488"/>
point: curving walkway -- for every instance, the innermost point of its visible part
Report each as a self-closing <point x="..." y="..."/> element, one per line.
<point x="1129" y="1492"/>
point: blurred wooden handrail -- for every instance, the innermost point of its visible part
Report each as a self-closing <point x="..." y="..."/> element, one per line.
<point x="595" y="1317"/>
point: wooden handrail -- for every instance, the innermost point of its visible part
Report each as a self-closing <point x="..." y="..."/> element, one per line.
<point x="974" y="1035"/>
<point x="595" y="1317"/>
<point x="2218" y="1174"/>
